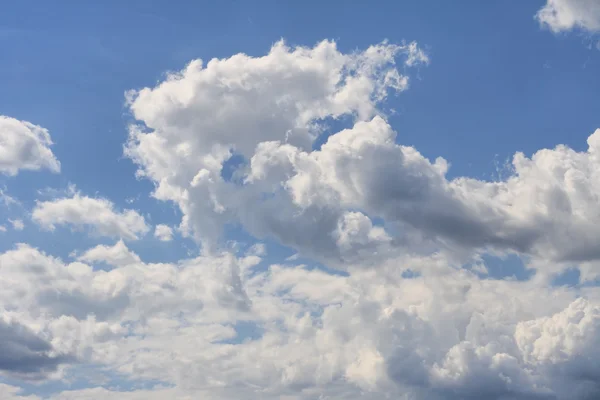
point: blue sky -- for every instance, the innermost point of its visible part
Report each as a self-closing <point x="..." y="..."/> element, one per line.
<point x="495" y="78"/>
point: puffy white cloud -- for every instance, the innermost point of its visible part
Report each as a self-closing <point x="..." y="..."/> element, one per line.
<point x="232" y="105"/>
<point x="117" y="255"/>
<point x="566" y="343"/>
<point x="323" y="202"/>
<point x="565" y="15"/>
<point x="163" y="233"/>
<point x="25" y="146"/>
<point x="442" y="335"/>
<point x="546" y="207"/>
<point x="95" y="213"/>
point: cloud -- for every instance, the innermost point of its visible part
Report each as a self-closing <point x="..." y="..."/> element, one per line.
<point x="7" y="199"/>
<point x="323" y="202"/>
<point x="95" y="213"/>
<point x="117" y="255"/>
<point x="25" y="146"/>
<point x="25" y="354"/>
<point x="443" y="334"/>
<point x="17" y="224"/>
<point x="232" y="105"/>
<point x="566" y="15"/>
<point x="546" y="207"/>
<point x="163" y="233"/>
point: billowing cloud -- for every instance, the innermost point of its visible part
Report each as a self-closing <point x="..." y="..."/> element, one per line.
<point x="97" y="214"/>
<point x="322" y="201"/>
<point x="232" y="105"/>
<point x="566" y="15"/>
<point x="444" y="334"/>
<point x="163" y="233"/>
<point x="547" y="207"/>
<point x="25" y="146"/>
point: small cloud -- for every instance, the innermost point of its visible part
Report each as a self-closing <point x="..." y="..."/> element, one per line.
<point x="293" y="257"/>
<point x="6" y="199"/>
<point x="17" y="224"/>
<point x="118" y="255"/>
<point x="2" y="228"/>
<point x="258" y="249"/>
<point x="163" y="232"/>
<point x="99" y="214"/>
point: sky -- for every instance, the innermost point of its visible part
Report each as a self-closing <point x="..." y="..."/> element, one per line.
<point x="300" y="200"/>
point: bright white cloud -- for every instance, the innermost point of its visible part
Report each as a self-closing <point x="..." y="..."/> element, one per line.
<point x="163" y="233"/>
<point x="566" y="15"/>
<point x="117" y="255"/>
<point x="97" y="214"/>
<point x="232" y="105"/>
<point x="25" y="146"/>
<point x="445" y="334"/>
<point x="322" y="202"/>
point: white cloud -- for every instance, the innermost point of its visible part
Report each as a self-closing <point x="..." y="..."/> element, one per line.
<point x="323" y="202"/>
<point x="17" y="224"/>
<point x="96" y="213"/>
<point x="117" y="255"/>
<point x="2" y="228"/>
<point x="25" y="146"/>
<point x="7" y="199"/>
<point x="234" y="104"/>
<point x="163" y="233"/>
<point x="566" y="15"/>
<point x="445" y="334"/>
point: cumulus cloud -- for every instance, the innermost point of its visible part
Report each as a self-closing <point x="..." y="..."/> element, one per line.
<point x="163" y="233"/>
<point x="232" y="105"/>
<point x="566" y="15"/>
<point x="25" y="146"/>
<point x="98" y="214"/>
<point x="546" y="207"/>
<point x="443" y="334"/>
<point x="323" y="202"/>
<point x="117" y="255"/>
